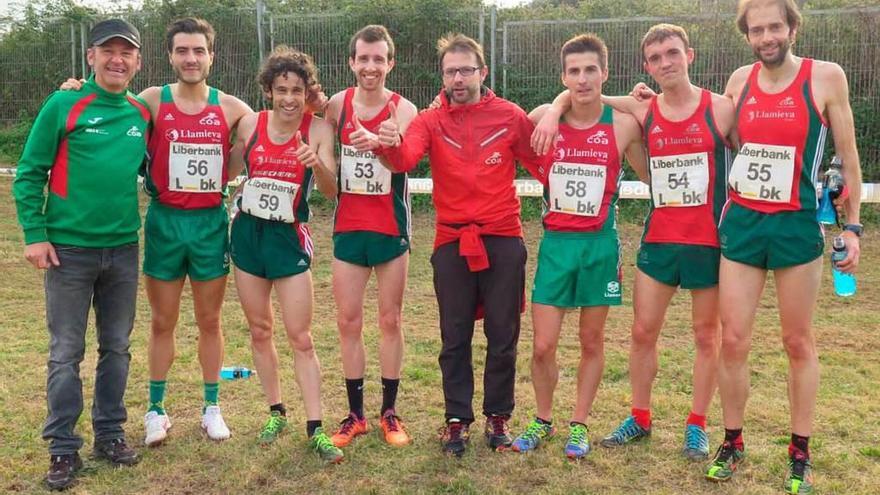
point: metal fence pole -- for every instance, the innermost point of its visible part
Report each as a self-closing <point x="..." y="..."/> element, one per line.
<point x="271" y="31"/>
<point x="260" y="43"/>
<point x="82" y="44"/>
<point x="493" y="19"/>
<point x="504" y="61"/>
<point x="72" y="51"/>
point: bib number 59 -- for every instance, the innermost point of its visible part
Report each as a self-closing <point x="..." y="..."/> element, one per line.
<point x="268" y="202"/>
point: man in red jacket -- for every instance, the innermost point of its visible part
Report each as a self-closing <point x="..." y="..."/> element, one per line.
<point x="472" y="140"/>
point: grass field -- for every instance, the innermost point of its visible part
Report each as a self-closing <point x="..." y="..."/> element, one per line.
<point x="845" y="446"/>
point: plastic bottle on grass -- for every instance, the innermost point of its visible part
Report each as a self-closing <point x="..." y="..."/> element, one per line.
<point x="235" y="372"/>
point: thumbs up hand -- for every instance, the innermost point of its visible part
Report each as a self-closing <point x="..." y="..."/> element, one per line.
<point x="361" y="138"/>
<point x="389" y="129"/>
<point x="304" y="153"/>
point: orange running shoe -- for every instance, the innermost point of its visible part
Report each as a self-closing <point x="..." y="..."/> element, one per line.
<point x="392" y="429"/>
<point x="349" y="428"/>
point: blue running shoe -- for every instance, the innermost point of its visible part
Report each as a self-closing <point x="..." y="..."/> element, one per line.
<point x="696" y="443"/>
<point x="629" y="431"/>
<point x="578" y="444"/>
<point x="535" y="433"/>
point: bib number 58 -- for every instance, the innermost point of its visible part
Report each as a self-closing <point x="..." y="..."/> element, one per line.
<point x="575" y="189"/>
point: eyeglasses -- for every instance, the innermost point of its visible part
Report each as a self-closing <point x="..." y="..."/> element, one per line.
<point x="465" y="71"/>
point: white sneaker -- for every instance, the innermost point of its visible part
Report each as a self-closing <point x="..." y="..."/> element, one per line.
<point x="213" y="424"/>
<point x="156" y="426"/>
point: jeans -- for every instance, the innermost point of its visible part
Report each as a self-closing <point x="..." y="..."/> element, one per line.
<point x="107" y="279"/>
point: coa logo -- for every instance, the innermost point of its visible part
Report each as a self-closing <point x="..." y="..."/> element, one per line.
<point x="494" y="158"/>
<point x="786" y="102"/>
<point x="134" y="132"/>
<point x="210" y="119"/>
<point x="601" y="137"/>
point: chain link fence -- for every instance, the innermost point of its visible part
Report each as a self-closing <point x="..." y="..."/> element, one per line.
<point x="531" y="65"/>
<point x="415" y="75"/>
<point x="522" y="55"/>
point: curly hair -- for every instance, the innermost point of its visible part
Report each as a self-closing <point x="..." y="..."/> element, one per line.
<point x="284" y="59"/>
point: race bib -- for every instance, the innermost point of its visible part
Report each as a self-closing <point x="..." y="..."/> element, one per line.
<point x="577" y="189"/>
<point x="763" y="172"/>
<point x="680" y="180"/>
<point x="270" y="199"/>
<point x="361" y="173"/>
<point x="195" y="168"/>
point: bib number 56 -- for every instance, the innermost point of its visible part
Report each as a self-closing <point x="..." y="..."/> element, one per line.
<point x="196" y="167"/>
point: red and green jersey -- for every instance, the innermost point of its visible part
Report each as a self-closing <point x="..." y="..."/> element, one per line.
<point x="278" y="184"/>
<point x="782" y="138"/>
<point x="371" y="197"/>
<point x="88" y="145"/>
<point x="580" y="185"/>
<point x="688" y="161"/>
<point x="188" y="154"/>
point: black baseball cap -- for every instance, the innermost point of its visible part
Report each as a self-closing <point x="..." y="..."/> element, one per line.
<point x="114" y="28"/>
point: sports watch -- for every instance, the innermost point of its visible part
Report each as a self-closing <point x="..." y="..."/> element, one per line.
<point x="855" y="228"/>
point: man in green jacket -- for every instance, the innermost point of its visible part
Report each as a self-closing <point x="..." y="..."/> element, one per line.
<point x="87" y="146"/>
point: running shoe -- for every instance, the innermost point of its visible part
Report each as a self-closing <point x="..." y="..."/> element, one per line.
<point x="454" y="437"/>
<point x="350" y="427"/>
<point x="156" y="427"/>
<point x="578" y="444"/>
<point x="273" y="428"/>
<point x="62" y="471"/>
<point x="799" y="479"/>
<point x="213" y="424"/>
<point x="325" y="449"/>
<point x="392" y="429"/>
<point x="535" y="433"/>
<point x="727" y="459"/>
<point x="498" y="432"/>
<point x="696" y="443"/>
<point x="629" y="431"/>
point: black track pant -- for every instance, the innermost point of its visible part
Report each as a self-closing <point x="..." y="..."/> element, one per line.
<point x="500" y="288"/>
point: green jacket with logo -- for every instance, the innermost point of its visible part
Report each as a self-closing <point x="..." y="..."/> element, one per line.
<point x="87" y="145"/>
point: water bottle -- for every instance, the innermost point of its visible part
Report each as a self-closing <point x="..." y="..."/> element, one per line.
<point x="235" y="372"/>
<point x="844" y="283"/>
<point x="832" y="186"/>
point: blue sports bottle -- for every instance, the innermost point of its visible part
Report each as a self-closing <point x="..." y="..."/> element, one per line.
<point x="832" y="186"/>
<point x="235" y="372"/>
<point x="844" y="283"/>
